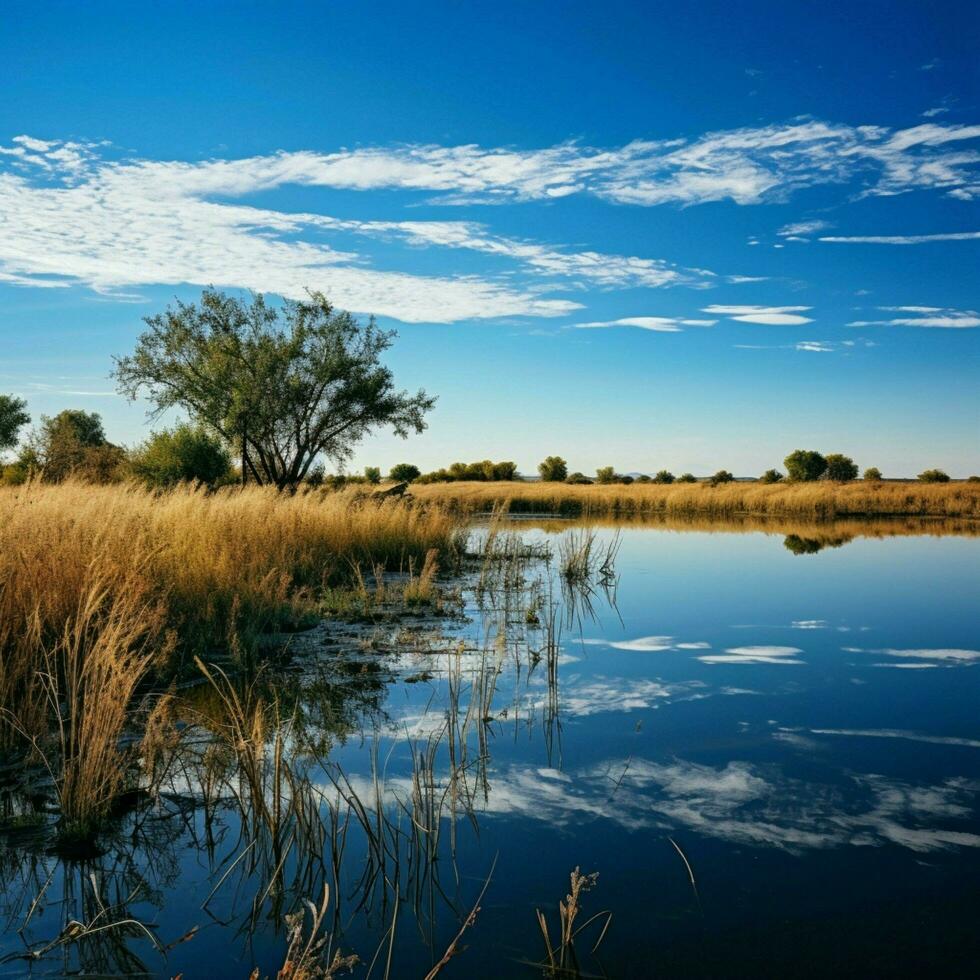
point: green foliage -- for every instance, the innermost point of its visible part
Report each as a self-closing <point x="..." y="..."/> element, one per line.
<point x="804" y="465"/>
<point x="282" y="384"/>
<point x="973" y="479"/>
<point x="872" y="474"/>
<point x="771" y="476"/>
<point x="372" y="474"/>
<point x="606" y="474"/>
<point x="553" y="469"/>
<point x="484" y="471"/>
<point x="624" y="479"/>
<point x="185" y="453"/>
<point x="840" y="468"/>
<point x="73" y="443"/>
<point x="404" y="473"/>
<point x="576" y="477"/>
<point x="687" y="478"/>
<point x="644" y="478"/>
<point x="664" y="476"/>
<point x="12" y="419"/>
<point x="722" y="476"/>
<point x="933" y="476"/>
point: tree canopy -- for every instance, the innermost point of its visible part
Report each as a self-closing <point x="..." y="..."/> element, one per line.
<point x="185" y="453"/>
<point x="805" y="465"/>
<point x="553" y="469"/>
<point x="12" y="418"/>
<point x="841" y="468"/>
<point x="281" y="385"/>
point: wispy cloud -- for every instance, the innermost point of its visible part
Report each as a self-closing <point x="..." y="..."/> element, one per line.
<point x="658" y="324"/>
<point x="953" y="236"/>
<point x="924" y="316"/>
<point x="769" y="315"/>
<point x="755" y="655"/>
<point x="945" y="655"/>
<point x="75" y="212"/>
<point x="800" y="230"/>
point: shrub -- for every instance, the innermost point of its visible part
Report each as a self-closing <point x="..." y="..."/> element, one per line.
<point x="404" y="473"/>
<point x="771" y="476"/>
<point x="484" y="471"/>
<point x="577" y="478"/>
<point x="687" y="478"/>
<point x="805" y="465"/>
<point x="934" y="476"/>
<point x="643" y="478"/>
<point x="73" y="443"/>
<point x="872" y="474"/>
<point x="624" y="479"/>
<point x="12" y="419"/>
<point x="973" y="479"/>
<point x="372" y="474"/>
<point x="184" y="453"/>
<point x="605" y="474"/>
<point x="840" y="468"/>
<point x="553" y="469"/>
<point x="722" y="476"/>
<point x="664" y="476"/>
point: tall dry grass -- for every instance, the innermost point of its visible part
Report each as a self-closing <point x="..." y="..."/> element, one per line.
<point x="101" y="585"/>
<point x="817" y="501"/>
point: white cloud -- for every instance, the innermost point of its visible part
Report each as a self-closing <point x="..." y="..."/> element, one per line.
<point x="815" y="346"/>
<point x="649" y="644"/>
<point x="658" y="324"/>
<point x="926" y="316"/>
<point x="950" y="656"/>
<point x="899" y="733"/>
<point x="800" y="229"/>
<point x="955" y="236"/>
<point x="769" y="315"/>
<point x="755" y="655"/>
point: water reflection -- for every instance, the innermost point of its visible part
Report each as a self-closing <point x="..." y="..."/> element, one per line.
<point x="557" y="725"/>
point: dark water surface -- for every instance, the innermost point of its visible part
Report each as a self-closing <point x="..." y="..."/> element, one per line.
<point x="795" y="726"/>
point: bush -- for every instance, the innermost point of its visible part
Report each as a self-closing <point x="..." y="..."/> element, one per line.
<point x="722" y="476"/>
<point x="664" y="476"/>
<point x="840" y="468"/>
<point x="933" y="476"/>
<point x="12" y="419"/>
<point x="872" y="474"/>
<point x="687" y="478"/>
<point x="483" y="471"/>
<point x="184" y="453"/>
<point x="404" y="473"/>
<point x="553" y="469"/>
<point x="73" y="443"/>
<point x="771" y="476"/>
<point x="605" y="474"/>
<point x="643" y="478"/>
<point x="805" y="465"/>
<point x="973" y="479"/>
<point x="372" y="474"/>
<point x="625" y="479"/>
<point x="577" y="478"/>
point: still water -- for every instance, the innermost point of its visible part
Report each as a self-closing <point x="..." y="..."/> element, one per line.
<point x="766" y="743"/>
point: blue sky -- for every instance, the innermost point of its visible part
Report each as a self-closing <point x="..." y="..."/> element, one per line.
<point x="638" y="234"/>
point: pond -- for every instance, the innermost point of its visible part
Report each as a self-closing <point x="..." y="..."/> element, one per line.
<point x="763" y="739"/>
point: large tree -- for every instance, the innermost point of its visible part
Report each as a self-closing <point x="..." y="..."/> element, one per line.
<point x="281" y="385"/>
<point x="12" y="418"/>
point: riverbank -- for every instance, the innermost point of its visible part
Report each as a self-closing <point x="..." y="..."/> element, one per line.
<point x="816" y="501"/>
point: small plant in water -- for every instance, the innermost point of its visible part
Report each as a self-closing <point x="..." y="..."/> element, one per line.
<point x="562" y="960"/>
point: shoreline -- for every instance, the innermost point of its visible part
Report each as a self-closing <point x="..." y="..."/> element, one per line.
<point x="817" y="501"/>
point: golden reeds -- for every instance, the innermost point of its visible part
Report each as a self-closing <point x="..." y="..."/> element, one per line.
<point x="99" y="585"/>
<point x="820" y="500"/>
